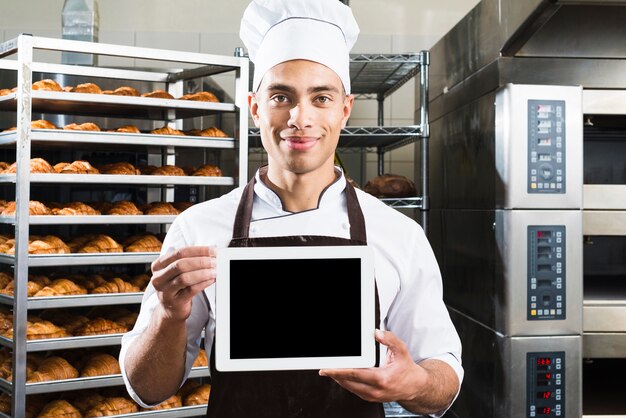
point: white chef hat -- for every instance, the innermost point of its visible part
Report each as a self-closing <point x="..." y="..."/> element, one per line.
<point x="276" y="31"/>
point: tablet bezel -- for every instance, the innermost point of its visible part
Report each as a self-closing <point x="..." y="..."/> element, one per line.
<point x="367" y="358"/>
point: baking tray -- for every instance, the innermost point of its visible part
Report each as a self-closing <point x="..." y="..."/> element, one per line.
<point x="109" y="179"/>
<point x="109" y="105"/>
<point x="79" y="259"/>
<point x="92" y="219"/>
<point x="63" y="136"/>
<point x="67" y="342"/>
<point x="74" y="301"/>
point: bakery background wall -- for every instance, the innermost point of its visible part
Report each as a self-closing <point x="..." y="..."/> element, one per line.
<point x="387" y="27"/>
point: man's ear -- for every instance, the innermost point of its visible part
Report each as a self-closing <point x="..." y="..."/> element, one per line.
<point x="254" y="108"/>
<point x="348" y="102"/>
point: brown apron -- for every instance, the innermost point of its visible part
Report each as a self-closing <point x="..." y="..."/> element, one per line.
<point x="289" y="393"/>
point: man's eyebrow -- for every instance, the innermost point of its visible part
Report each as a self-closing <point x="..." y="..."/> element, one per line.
<point x="289" y="89"/>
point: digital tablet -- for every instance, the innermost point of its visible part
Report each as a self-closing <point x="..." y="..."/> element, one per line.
<point x="295" y="308"/>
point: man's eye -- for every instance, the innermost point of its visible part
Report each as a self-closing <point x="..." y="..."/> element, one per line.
<point x="280" y="98"/>
<point x="323" y="99"/>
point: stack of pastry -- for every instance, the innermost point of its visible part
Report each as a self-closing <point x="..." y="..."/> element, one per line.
<point x="75" y="209"/>
<point x="168" y="170"/>
<point x="36" y="124"/>
<point x="158" y="94"/>
<point x="117" y="405"/>
<point x="174" y="401"/>
<point x="61" y="287"/>
<point x="48" y="244"/>
<point x="87" y="126"/>
<point x="59" y="408"/>
<point x="34" y="208"/>
<point x="128" y="129"/>
<point x="210" y="132"/>
<point x="208" y="170"/>
<point x="198" y="396"/>
<point x="160" y="208"/>
<point x="34" y="284"/>
<point x="142" y="243"/>
<point x="95" y="243"/>
<point x="100" y="364"/>
<point x="123" y="91"/>
<point x="201" y="96"/>
<point x="77" y="167"/>
<point x="115" y="285"/>
<point x="46" y="84"/>
<point x="123" y="207"/>
<point x="53" y="368"/>
<point x="100" y="326"/>
<point x="84" y="88"/>
<point x="40" y="329"/>
<point x="166" y="130"/>
<point x="37" y="165"/>
<point x="121" y="167"/>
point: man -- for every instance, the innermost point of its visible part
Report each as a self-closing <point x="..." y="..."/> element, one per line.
<point x="300" y="101"/>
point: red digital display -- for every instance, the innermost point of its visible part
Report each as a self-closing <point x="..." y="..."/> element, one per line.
<point x="544" y="361"/>
<point x="546" y="394"/>
<point x="546" y="410"/>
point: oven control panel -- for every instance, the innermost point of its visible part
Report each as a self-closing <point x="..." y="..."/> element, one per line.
<point x="546" y="146"/>
<point x="546" y="272"/>
<point x="545" y="381"/>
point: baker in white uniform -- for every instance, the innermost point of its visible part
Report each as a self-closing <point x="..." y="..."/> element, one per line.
<point x="300" y="101"/>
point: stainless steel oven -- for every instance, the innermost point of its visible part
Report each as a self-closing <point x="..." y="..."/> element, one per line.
<point x="528" y="204"/>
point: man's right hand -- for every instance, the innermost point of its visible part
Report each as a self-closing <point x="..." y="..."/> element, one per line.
<point x="179" y="275"/>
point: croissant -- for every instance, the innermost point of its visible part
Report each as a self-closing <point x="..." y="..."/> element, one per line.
<point x="101" y="364"/>
<point x="159" y="94"/>
<point x="119" y="168"/>
<point x="85" y="401"/>
<point x="168" y="170"/>
<point x="173" y="401"/>
<point x="53" y="368"/>
<point x="181" y="206"/>
<point x="77" y="167"/>
<point x="202" y="96"/>
<point x="48" y="244"/>
<point x="74" y="209"/>
<point x="36" y="124"/>
<point x="37" y="165"/>
<point x="71" y="322"/>
<point x="147" y="169"/>
<point x="46" y="84"/>
<point x="103" y="207"/>
<point x="116" y="285"/>
<point x="32" y="363"/>
<point x="35" y="283"/>
<point x="198" y="396"/>
<point x="201" y="360"/>
<point x="130" y="129"/>
<point x="40" y="330"/>
<point x="100" y="243"/>
<point x="99" y="326"/>
<point x="208" y="170"/>
<point x="59" y="408"/>
<point x="166" y="130"/>
<point x="127" y="320"/>
<point x="5" y="279"/>
<point x="209" y="132"/>
<point x="87" y="126"/>
<point x="124" y="207"/>
<point x="92" y="281"/>
<point x="142" y="243"/>
<point x="61" y="287"/>
<point x="86" y="88"/>
<point x="161" y="208"/>
<point x="140" y="280"/>
<point x="4" y="92"/>
<point x="116" y="405"/>
<point x="123" y="91"/>
<point x="34" y="208"/>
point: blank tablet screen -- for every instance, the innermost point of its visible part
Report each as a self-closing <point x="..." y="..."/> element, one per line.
<point x="295" y="307"/>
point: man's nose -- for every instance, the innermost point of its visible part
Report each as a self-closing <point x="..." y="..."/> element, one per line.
<point x="300" y="115"/>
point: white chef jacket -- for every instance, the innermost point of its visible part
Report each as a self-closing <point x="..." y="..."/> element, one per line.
<point x="407" y="274"/>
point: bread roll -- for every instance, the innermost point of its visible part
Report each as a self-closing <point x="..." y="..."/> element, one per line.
<point x="201" y="96"/>
<point x="208" y="170"/>
<point x="101" y="364"/>
<point x="86" y="88"/>
<point x="123" y="91"/>
<point x="47" y="84"/>
<point x="390" y="185"/>
<point x="168" y="170"/>
<point x="159" y="94"/>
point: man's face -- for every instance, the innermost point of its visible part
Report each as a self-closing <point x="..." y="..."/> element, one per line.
<point x="300" y="108"/>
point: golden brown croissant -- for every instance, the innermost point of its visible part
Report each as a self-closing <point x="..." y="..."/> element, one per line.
<point x="168" y="170"/>
<point x="32" y="363"/>
<point x="201" y="96"/>
<point x="182" y="206"/>
<point x="85" y="401"/>
<point x="103" y="207"/>
<point x="34" y="208"/>
<point x="116" y="285"/>
<point x="166" y="130"/>
<point x="74" y="209"/>
<point x="101" y="364"/>
<point x="201" y="360"/>
<point x="5" y="279"/>
<point x="115" y="405"/>
<point x="92" y="281"/>
<point x="70" y="322"/>
<point x="174" y="401"/>
<point x="140" y="280"/>
<point x="35" y="283"/>
<point x="123" y="91"/>
<point x="40" y="330"/>
<point x="100" y="243"/>
<point x="53" y="368"/>
<point x="198" y="396"/>
<point x="87" y="126"/>
<point x="161" y="208"/>
<point x="37" y="165"/>
<point x="119" y="168"/>
<point x="129" y="129"/>
<point x="4" y="92"/>
<point x="48" y="244"/>
<point x="124" y="207"/>
<point x="127" y="320"/>
<point x="99" y="326"/>
<point x="86" y="88"/>
<point x="210" y="132"/>
<point x="46" y="84"/>
<point x="142" y="243"/>
<point x="208" y="170"/>
<point x="77" y="167"/>
<point x="59" y="408"/>
<point x="61" y="287"/>
<point x="159" y="94"/>
<point x="36" y="124"/>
